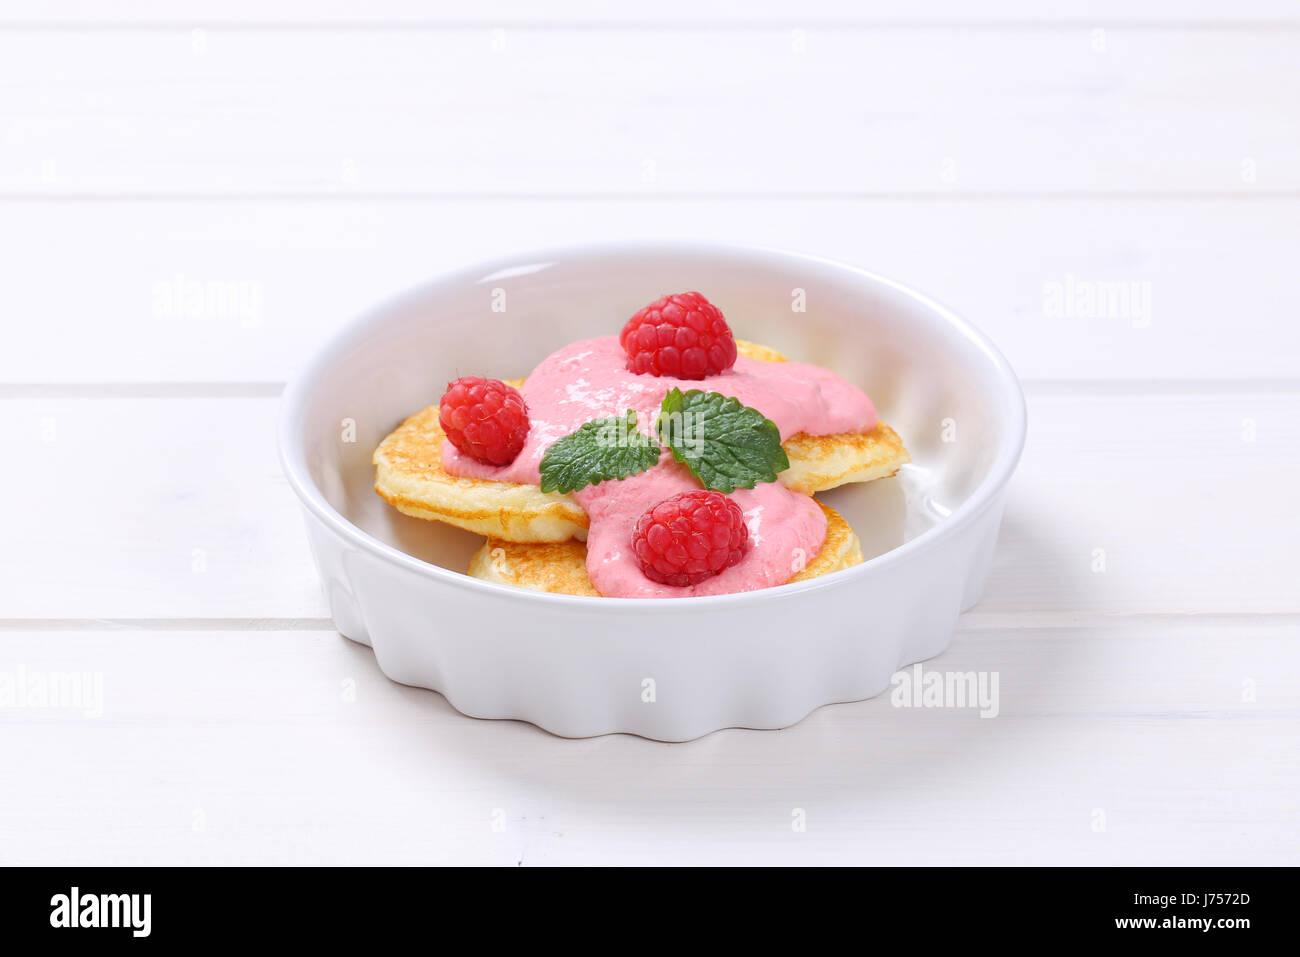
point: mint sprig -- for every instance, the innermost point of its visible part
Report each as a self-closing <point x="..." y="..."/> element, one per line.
<point x="600" y="450"/>
<point x="724" y="444"/>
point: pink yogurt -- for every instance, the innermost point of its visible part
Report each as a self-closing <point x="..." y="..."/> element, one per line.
<point x="588" y="380"/>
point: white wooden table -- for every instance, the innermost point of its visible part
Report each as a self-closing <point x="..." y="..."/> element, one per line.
<point x="191" y="199"/>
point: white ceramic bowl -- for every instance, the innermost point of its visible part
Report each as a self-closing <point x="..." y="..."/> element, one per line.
<point x="667" y="669"/>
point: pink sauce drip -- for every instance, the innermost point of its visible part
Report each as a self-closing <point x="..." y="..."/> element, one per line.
<point x="587" y="380"/>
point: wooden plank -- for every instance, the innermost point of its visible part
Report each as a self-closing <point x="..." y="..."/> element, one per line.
<point x="1139" y="504"/>
<point x="131" y="508"/>
<point x="657" y="112"/>
<point x="1097" y="756"/>
<point x="101" y="292"/>
<point x="128" y="508"/>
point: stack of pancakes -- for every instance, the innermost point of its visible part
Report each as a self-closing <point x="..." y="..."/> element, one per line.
<point x="535" y="539"/>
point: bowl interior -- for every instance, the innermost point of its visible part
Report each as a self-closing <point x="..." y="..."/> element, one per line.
<point x="939" y="387"/>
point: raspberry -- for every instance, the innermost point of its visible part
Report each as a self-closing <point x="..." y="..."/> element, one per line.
<point x="485" y="419"/>
<point x="690" y="537"/>
<point x="684" y="336"/>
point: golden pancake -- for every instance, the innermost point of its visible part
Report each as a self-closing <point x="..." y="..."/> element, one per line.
<point x="821" y="462"/>
<point x="561" y="567"/>
<point x="410" y="476"/>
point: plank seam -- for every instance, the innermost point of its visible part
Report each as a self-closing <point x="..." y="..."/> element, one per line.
<point x="860" y="25"/>
<point x="956" y="194"/>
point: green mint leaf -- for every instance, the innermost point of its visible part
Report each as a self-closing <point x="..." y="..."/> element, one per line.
<point x="600" y="450"/>
<point x="725" y="445"/>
